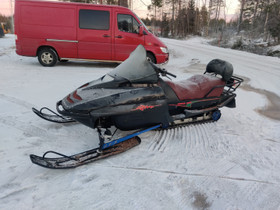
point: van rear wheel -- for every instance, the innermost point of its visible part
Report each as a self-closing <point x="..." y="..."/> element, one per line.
<point x="47" y="57"/>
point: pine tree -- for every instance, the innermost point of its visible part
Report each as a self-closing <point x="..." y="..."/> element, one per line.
<point x="256" y="16"/>
<point x="273" y="23"/>
<point x="204" y="20"/>
<point x="191" y="17"/>
<point x="165" y="26"/>
<point x="215" y="7"/>
<point x="240" y="21"/>
<point x="155" y="5"/>
<point x="173" y="5"/>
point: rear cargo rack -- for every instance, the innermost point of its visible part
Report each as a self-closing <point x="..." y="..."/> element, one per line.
<point x="231" y="85"/>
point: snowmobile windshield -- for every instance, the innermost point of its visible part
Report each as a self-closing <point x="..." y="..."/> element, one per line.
<point x="136" y="68"/>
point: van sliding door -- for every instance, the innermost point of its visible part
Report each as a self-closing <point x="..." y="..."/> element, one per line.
<point x="94" y="33"/>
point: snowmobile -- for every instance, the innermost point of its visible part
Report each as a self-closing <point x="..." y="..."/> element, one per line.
<point x="135" y="96"/>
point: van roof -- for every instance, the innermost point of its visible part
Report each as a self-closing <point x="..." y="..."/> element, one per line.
<point x="71" y="3"/>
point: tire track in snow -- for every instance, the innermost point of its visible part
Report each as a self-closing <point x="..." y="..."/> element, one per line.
<point x="7" y="51"/>
<point x="170" y="139"/>
<point x="231" y="146"/>
<point x="204" y="141"/>
<point x="189" y="174"/>
<point x="191" y="139"/>
<point x="199" y="140"/>
<point x="181" y="138"/>
<point x="155" y="140"/>
<point x="27" y="129"/>
<point x="252" y="191"/>
<point x="18" y="192"/>
<point x="17" y="101"/>
<point x="195" y="138"/>
<point x="188" y="139"/>
<point x="223" y="140"/>
<point x="209" y="142"/>
<point x="162" y="142"/>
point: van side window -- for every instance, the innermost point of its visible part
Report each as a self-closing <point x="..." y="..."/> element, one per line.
<point x="94" y="19"/>
<point x="127" y="23"/>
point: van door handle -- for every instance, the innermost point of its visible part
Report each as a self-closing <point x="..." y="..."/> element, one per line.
<point x="106" y="35"/>
<point x="119" y="36"/>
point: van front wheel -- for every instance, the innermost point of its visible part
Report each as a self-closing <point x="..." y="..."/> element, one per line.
<point x="151" y="57"/>
<point x="47" y="57"/>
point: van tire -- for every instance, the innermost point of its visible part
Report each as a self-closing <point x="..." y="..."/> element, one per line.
<point x="47" y="57"/>
<point x="151" y="57"/>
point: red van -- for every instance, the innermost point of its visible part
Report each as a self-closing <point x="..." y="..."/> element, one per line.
<point x="60" y="31"/>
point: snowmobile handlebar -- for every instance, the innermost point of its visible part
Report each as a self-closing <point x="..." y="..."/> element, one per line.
<point x="163" y="72"/>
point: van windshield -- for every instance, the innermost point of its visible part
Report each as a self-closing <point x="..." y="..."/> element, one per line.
<point x="136" y="68"/>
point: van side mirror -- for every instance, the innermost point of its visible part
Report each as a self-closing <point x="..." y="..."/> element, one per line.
<point x="142" y="31"/>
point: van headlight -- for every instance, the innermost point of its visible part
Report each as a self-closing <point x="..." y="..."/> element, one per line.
<point x="164" y="49"/>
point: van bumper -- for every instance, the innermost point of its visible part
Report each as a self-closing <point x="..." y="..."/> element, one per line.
<point x="18" y="48"/>
<point x="162" y="58"/>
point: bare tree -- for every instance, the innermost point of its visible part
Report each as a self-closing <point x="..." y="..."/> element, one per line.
<point x="123" y="3"/>
<point x="215" y="7"/>
<point x="173" y="4"/>
<point x="240" y="20"/>
<point x="204" y="20"/>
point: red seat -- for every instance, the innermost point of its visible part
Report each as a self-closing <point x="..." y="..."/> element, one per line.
<point x="197" y="87"/>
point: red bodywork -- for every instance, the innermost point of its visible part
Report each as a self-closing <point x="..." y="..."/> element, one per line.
<point x="56" y="25"/>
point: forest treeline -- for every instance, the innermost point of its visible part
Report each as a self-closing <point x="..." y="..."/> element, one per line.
<point x="180" y="18"/>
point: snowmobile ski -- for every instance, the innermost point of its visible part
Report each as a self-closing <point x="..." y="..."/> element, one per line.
<point x="82" y="158"/>
<point x="53" y="117"/>
<point x="105" y="150"/>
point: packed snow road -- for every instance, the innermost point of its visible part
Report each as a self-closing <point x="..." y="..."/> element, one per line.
<point x="230" y="164"/>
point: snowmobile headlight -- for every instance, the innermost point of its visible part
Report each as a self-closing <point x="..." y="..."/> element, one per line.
<point x="164" y="49"/>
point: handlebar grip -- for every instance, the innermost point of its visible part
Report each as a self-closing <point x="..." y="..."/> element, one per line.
<point x="173" y="75"/>
<point x="162" y="71"/>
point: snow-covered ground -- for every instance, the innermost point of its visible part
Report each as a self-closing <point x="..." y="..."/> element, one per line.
<point x="231" y="164"/>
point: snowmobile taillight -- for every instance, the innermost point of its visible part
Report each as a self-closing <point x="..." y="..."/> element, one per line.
<point x="69" y="99"/>
<point x="234" y="83"/>
<point x="76" y="96"/>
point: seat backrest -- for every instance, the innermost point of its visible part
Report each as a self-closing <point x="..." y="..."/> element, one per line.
<point x="220" y="67"/>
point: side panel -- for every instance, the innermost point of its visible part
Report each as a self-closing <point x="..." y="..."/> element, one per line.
<point x="144" y="115"/>
<point x="95" y="39"/>
<point x="126" y="37"/>
<point x="45" y="23"/>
